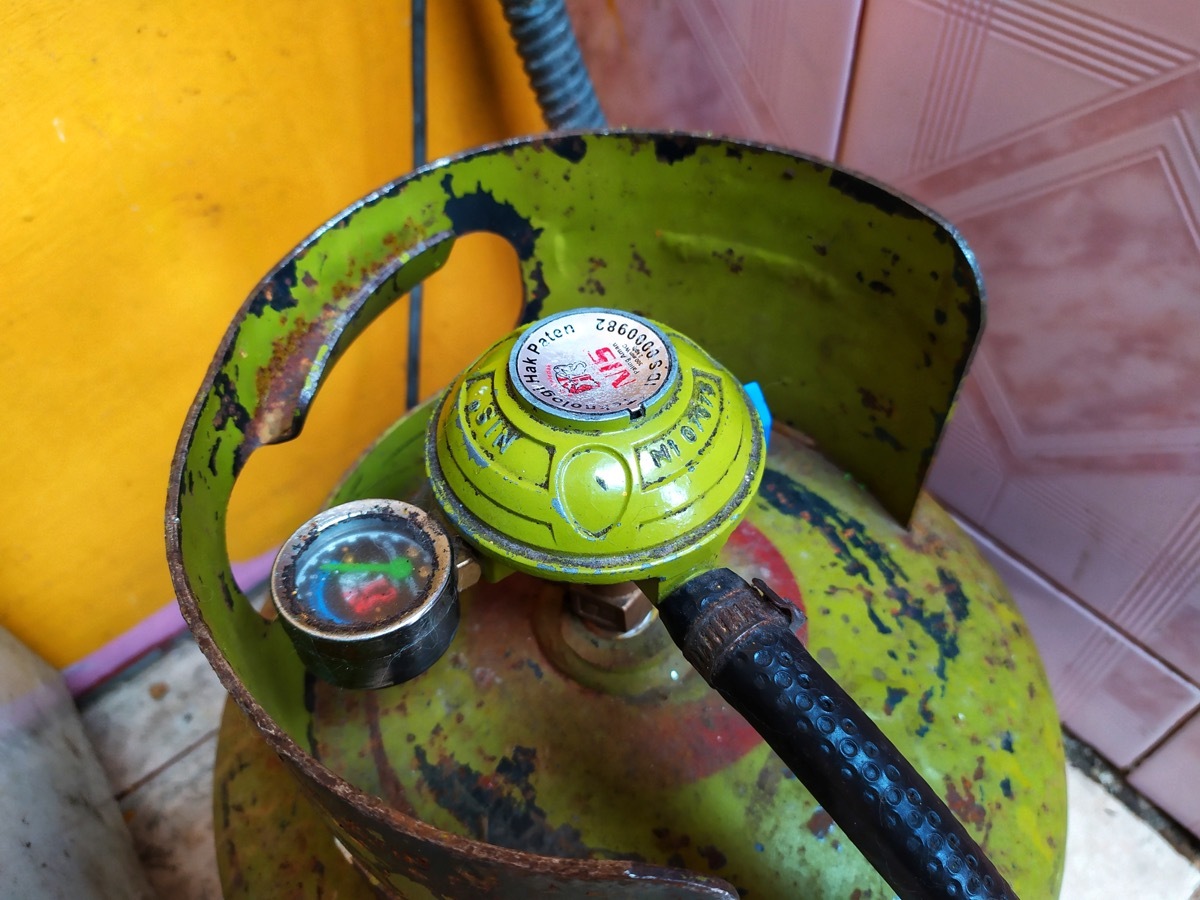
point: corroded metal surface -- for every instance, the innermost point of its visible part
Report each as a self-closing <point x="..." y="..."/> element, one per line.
<point x="614" y="757"/>
<point x="854" y="309"/>
<point x="271" y="840"/>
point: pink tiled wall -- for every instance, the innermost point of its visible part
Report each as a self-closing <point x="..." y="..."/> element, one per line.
<point x="1063" y="139"/>
<point x="771" y="70"/>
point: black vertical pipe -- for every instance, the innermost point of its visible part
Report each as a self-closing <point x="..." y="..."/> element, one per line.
<point x="557" y="73"/>
<point x="420" y="152"/>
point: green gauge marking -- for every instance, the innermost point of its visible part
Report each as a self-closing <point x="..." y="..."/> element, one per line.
<point x="397" y="568"/>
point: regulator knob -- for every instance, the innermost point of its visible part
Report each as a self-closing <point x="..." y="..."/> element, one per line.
<point x="595" y="446"/>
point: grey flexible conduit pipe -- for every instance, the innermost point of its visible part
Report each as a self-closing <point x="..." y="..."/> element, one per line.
<point x="554" y="63"/>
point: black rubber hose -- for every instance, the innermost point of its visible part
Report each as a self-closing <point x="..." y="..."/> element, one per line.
<point x="553" y="62"/>
<point x="740" y="639"/>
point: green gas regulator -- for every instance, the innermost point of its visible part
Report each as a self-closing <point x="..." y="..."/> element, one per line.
<point x="602" y="449"/>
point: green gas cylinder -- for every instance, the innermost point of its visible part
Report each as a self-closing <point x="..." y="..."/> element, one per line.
<point x="542" y="751"/>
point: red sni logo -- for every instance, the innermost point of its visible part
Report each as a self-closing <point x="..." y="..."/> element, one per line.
<point x="607" y="361"/>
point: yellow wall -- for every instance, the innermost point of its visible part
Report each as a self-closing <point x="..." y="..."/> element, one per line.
<point x="155" y="161"/>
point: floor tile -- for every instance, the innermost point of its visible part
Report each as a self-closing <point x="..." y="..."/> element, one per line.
<point x="61" y="834"/>
<point x="155" y="714"/>
<point x="170" y="818"/>
<point x="1162" y="776"/>
<point x="1112" y="853"/>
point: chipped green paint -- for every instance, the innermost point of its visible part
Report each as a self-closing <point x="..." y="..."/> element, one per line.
<point x="854" y="309"/>
<point x="860" y="555"/>
<point x="271" y="841"/>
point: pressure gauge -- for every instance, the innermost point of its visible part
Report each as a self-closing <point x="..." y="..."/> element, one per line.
<point x="367" y="592"/>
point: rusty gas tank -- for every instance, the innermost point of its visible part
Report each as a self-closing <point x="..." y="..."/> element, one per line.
<point x="540" y="753"/>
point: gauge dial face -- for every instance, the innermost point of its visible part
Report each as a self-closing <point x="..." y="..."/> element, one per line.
<point x="360" y="574"/>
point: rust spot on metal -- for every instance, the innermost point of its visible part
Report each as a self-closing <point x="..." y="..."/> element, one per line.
<point x="873" y="403"/>
<point x="593" y="286"/>
<point x="819" y="824"/>
<point x="279" y="383"/>
<point x="638" y="263"/>
<point x="283" y="351"/>
<point x="845" y="534"/>
<point x="769" y="778"/>
<point x="715" y="858"/>
<point x="964" y="805"/>
<point x="733" y="261"/>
